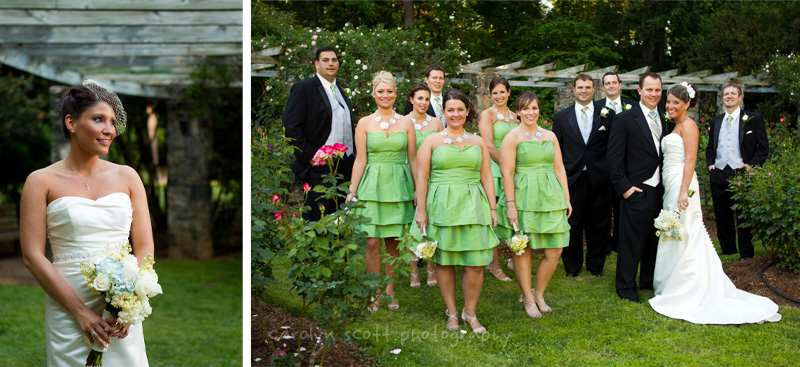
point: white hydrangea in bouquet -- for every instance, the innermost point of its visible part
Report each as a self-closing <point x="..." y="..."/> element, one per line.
<point x="126" y="287"/>
<point x="669" y="225"/>
<point x="425" y="249"/>
<point x="518" y="242"/>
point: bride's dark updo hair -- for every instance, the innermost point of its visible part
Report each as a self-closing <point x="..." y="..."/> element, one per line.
<point x="80" y="98"/>
<point x="681" y="92"/>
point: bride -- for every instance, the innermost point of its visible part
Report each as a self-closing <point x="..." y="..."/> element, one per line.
<point x="86" y="207"/>
<point x="689" y="282"/>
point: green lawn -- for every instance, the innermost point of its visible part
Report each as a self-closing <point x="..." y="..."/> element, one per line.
<point x="590" y="326"/>
<point x="196" y="322"/>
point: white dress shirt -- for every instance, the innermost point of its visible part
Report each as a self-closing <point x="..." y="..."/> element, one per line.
<point x="656" y="178"/>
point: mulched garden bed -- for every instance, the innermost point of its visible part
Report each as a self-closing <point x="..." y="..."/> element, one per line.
<point x="281" y="328"/>
<point x="745" y="275"/>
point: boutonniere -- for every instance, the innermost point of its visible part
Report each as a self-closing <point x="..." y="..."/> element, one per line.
<point x="604" y="112"/>
<point x="745" y="118"/>
<point x="666" y="118"/>
<point x="626" y="107"/>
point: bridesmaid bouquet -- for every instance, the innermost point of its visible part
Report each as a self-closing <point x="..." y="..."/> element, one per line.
<point x="518" y="242"/>
<point x="668" y="224"/>
<point x="426" y="249"/>
<point x="127" y="289"/>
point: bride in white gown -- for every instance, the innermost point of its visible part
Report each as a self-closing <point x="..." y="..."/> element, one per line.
<point x="86" y="207"/>
<point x="689" y="281"/>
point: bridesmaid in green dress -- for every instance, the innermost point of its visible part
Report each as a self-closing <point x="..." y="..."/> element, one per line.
<point x="419" y="98"/>
<point x="390" y="146"/>
<point x="457" y="206"/>
<point x="536" y="199"/>
<point x="494" y="124"/>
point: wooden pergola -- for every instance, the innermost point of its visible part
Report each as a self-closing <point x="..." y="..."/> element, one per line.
<point x="140" y="48"/>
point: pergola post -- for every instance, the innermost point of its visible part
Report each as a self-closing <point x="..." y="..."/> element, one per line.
<point x="563" y="97"/>
<point x="189" y="147"/>
<point x="480" y="95"/>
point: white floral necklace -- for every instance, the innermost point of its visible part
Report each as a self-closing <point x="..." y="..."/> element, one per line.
<point x="534" y="138"/>
<point x="500" y="116"/>
<point x="385" y="125"/>
<point x="424" y="123"/>
<point x="459" y="139"/>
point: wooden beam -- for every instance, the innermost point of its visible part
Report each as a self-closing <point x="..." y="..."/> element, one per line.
<point x="701" y="73"/>
<point x="264" y="73"/>
<point x="261" y="66"/>
<point x="637" y="72"/>
<point x="25" y="63"/>
<point x="14" y="17"/>
<point x="144" y="79"/>
<point x="153" y="49"/>
<point x="476" y="67"/>
<point x="125" y="34"/>
<point x="117" y="5"/>
<point x="130" y="70"/>
<point x="511" y="66"/>
<point x="601" y="71"/>
<point x="272" y="51"/>
<point x="127" y="61"/>
<point x="733" y="74"/>
<point x="263" y="60"/>
<point x="543" y="67"/>
<point x="669" y="73"/>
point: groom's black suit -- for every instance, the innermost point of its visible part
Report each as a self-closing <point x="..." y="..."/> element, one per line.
<point x="307" y="119"/>
<point x="632" y="159"/>
<point x="754" y="148"/>
<point x="591" y="205"/>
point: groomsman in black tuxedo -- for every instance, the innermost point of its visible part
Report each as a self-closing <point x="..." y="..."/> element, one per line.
<point x="316" y="114"/>
<point x="582" y="131"/>
<point x="736" y="142"/>
<point x="613" y="89"/>
<point x="434" y="78"/>
<point x="634" y="162"/>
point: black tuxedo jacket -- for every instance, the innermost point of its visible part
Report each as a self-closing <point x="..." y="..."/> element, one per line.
<point x="307" y="119"/>
<point x="575" y="153"/>
<point x="632" y="154"/>
<point x="624" y="101"/>
<point x="753" y="143"/>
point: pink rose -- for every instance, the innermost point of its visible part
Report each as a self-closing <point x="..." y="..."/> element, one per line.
<point x="339" y="149"/>
<point x="278" y="215"/>
<point x="783" y="119"/>
<point x="319" y="158"/>
<point x="276" y="199"/>
<point x="306" y="187"/>
<point x="294" y="215"/>
<point x="327" y="149"/>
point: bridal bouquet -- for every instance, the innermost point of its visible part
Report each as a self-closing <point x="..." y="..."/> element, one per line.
<point x="127" y="289"/>
<point x="668" y="223"/>
<point x="425" y="249"/>
<point x="518" y="242"/>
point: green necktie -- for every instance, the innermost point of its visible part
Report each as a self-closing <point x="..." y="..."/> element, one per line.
<point x="728" y="120"/>
<point x="654" y="126"/>
<point x="584" y="116"/>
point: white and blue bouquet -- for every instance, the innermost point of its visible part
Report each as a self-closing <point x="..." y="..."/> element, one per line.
<point x="127" y="289"/>
<point x="669" y="225"/>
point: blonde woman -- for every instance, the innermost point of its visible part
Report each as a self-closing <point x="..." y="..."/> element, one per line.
<point x="386" y="146"/>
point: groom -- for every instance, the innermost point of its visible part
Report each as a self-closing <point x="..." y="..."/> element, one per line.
<point x="634" y="163"/>
<point x="737" y="141"/>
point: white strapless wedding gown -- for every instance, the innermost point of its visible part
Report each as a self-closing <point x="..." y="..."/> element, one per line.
<point x="689" y="281"/>
<point x="80" y="229"/>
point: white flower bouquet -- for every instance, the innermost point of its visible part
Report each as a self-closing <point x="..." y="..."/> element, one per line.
<point x="518" y="242"/>
<point x="127" y="289"/>
<point x="669" y="225"/>
<point x="425" y="249"/>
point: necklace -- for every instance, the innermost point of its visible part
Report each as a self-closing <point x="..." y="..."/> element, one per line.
<point x="500" y="116"/>
<point x="459" y="139"/>
<point x="79" y="176"/>
<point x="424" y="123"/>
<point x="534" y="138"/>
<point x="385" y="125"/>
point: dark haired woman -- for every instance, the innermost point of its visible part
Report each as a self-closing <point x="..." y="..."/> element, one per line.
<point x="418" y="99"/>
<point x="86" y="206"/>
<point x="535" y="201"/>
<point x="689" y="281"/>
<point x="457" y="206"/>
<point x="493" y="125"/>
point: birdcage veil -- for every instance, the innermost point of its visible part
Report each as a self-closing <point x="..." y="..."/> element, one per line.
<point x="106" y="95"/>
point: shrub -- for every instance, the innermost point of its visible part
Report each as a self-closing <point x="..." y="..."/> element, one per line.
<point x="769" y="200"/>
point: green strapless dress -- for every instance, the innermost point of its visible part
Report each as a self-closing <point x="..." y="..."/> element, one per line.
<point x="539" y="198"/>
<point x="421" y="135"/>
<point x="386" y="188"/>
<point x="459" y="217"/>
<point x="499" y="131"/>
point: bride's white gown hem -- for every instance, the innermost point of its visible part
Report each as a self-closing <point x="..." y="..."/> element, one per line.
<point x="689" y="281"/>
<point x="79" y="229"/>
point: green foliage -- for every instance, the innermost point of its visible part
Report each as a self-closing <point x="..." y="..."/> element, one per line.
<point x="769" y="199"/>
<point x="24" y="131"/>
